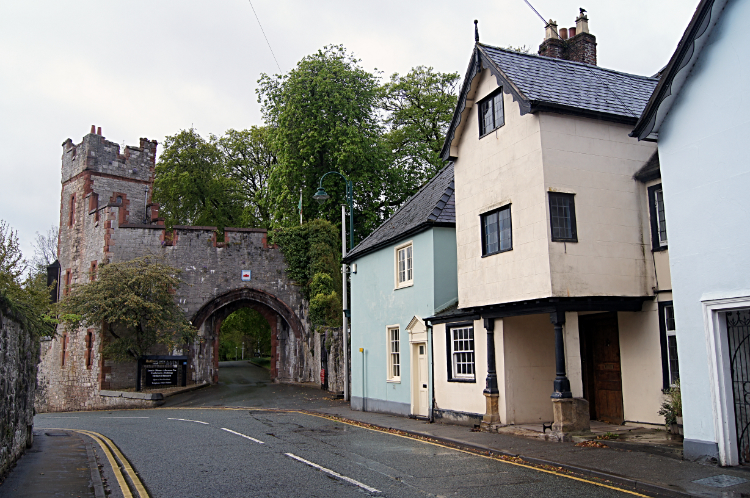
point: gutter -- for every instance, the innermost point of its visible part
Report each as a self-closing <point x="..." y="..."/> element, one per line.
<point x="352" y="256"/>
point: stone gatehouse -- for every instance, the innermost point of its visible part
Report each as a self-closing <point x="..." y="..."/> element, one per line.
<point x="106" y="214"/>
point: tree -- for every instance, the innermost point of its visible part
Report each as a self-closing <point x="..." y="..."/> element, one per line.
<point x="244" y="326"/>
<point x="419" y="108"/>
<point x="192" y="183"/>
<point x="45" y="250"/>
<point x="323" y="117"/>
<point x="135" y="302"/>
<point x="249" y="160"/>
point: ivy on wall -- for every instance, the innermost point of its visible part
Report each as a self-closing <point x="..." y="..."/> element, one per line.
<point x="313" y="252"/>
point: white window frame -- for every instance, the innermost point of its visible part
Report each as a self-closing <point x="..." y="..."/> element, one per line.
<point x="714" y="322"/>
<point x="455" y="375"/>
<point x="391" y="355"/>
<point x="660" y="225"/>
<point x="409" y="270"/>
<point x="671" y="333"/>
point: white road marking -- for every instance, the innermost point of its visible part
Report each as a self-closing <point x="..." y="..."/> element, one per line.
<point x="334" y="474"/>
<point x="188" y="420"/>
<point x="246" y="437"/>
<point x="60" y="417"/>
<point x="123" y="417"/>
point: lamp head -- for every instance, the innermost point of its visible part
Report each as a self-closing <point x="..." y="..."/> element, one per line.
<point x="321" y="195"/>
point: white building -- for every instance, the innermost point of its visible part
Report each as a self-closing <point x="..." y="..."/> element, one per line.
<point x="700" y="115"/>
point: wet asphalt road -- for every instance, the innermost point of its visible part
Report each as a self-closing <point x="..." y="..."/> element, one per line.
<point x="239" y="453"/>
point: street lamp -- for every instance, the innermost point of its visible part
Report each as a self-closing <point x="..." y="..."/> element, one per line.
<point x="321" y="196"/>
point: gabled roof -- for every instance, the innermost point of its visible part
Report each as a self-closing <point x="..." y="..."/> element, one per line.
<point x="674" y="75"/>
<point x="432" y="206"/>
<point x="540" y="83"/>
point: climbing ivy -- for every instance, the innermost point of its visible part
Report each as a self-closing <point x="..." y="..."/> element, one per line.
<point x="312" y="253"/>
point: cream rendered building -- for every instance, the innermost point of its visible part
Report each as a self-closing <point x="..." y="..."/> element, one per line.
<point x="560" y="283"/>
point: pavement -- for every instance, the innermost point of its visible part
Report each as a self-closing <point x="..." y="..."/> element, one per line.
<point x="641" y="460"/>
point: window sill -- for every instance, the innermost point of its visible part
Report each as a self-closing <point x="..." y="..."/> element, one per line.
<point x="566" y="240"/>
<point x="659" y="249"/>
<point x="496" y="252"/>
<point x="404" y="285"/>
<point x="394" y="381"/>
<point x="491" y="131"/>
<point x="464" y="381"/>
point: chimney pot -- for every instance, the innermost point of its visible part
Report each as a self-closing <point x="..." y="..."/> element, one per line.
<point x="563" y="33"/>
<point x="571" y="32"/>
<point x="99" y="131"/>
<point x="582" y="23"/>
<point x="550" y="33"/>
<point x="93" y="129"/>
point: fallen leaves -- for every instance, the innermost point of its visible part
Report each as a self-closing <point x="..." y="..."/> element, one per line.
<point x="591" y="444"/>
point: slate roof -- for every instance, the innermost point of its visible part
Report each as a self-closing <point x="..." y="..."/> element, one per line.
<point x="574" y="84"/>
<point x="541" y="83"/>
<point x="433" y="205"/>
<point x="649" y="171"/>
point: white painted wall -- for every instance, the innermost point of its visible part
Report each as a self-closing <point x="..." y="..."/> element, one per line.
<point x="706" y="178"/>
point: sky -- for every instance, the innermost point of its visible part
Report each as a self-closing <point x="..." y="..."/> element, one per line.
<point x="142" y="68"/>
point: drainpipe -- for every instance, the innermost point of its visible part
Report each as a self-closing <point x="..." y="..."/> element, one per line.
<point x="432" y="373"/>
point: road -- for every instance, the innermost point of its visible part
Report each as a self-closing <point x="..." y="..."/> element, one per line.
<point x="197" y="451"/>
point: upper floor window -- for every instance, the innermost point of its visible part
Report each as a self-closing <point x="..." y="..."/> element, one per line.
<point x="491" y="115"/>
<point x="72" y="212"/>
<point x="394" y="354"/>
<point x="562" y="216"/>
<point x="404" y="266"/>
<point x="496" y="231"/>
<point x="658" y="218"/>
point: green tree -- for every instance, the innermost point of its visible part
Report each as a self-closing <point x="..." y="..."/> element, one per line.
<point x="192" y="183"/>
<point x="419" y="107"/>
<point x="324" y="117"/>
<point x="135" y="302"/>
<point x="244" y="326"/>
<point x="248" y="160"/>
<point x="45" y="250"/>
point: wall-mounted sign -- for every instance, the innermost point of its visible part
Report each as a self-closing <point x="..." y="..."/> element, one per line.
<point x="246" y="275"/>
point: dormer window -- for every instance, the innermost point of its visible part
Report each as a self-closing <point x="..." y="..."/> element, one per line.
<point x="491" y="115"/>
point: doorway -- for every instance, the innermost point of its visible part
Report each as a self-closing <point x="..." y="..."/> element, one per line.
<point x="420" y="380"/>
<point x="600" y="362"/>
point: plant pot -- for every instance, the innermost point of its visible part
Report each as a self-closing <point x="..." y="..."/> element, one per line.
<point x="679" y="421"/>
<point x="676" y="429"/>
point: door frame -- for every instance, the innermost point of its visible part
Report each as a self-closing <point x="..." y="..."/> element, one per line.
<point x="715" y="328"/>
<point x="418" y="337"/>
<point x="588" y="370"/>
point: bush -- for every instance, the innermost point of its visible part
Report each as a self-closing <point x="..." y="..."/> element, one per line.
<point x="671" y="408"/>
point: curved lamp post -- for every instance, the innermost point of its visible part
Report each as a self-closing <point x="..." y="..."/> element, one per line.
<point x="321" y="196"/>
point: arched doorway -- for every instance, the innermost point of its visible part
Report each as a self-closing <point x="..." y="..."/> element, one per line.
<point x="287" y="334"/>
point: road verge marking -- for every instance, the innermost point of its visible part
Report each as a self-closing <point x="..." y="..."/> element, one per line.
<point x="137" y="484"/>
<point x="243" y="435"/>
<point x="333" y="473"/>
<point x="188" y="420"/>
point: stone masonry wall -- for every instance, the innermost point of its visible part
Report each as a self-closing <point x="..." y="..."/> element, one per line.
<point x="19" y="355"/>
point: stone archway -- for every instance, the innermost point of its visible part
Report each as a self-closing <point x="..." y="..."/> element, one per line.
<point x="287" y="333"/>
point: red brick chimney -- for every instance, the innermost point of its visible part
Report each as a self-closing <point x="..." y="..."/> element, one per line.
<point x="574" y="44"/>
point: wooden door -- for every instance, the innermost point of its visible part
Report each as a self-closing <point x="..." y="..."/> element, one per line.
<point x="602" y="377"/>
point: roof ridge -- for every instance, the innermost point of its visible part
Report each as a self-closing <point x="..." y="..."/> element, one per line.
<point x="566" y="61"/>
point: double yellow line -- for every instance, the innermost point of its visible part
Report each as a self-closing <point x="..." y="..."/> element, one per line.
<point x="119" y="463"/>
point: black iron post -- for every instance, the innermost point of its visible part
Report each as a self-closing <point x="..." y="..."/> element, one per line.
<point x="562" y="384"/>
<point x="491" y="382"/>
<point x="138" y="374"/>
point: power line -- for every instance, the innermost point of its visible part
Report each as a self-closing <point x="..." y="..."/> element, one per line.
<point x="264" y="34"/>
<point x="537" y="12"/>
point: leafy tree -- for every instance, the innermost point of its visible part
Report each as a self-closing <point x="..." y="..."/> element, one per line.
<point x="419" y="108"/>
<point x="323" y="117"/>
<point x="244" y="326"/>
<point x="135" y="302"/>
<point x="27" y="298"/>
<point x="192" y="183"/>
<point x="45" y="250"/>
<point x="249" y="160"/>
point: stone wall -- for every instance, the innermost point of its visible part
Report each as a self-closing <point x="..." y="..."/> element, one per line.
<point x="19" y="355"/>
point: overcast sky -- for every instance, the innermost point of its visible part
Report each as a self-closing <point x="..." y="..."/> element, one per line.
<point x="150" y="68"/>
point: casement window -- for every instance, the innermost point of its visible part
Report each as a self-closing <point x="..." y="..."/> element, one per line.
<point x="491" y="115"/>
<point x="461" y="366"/>
<point x="89" y="349"/>
<point x="68" y="282"/>
<point x="562" y="217"/>
<point x="394" y="354"/>
<point x="668" y="332"/>
<point x="404" y="265"/>
<point x="72" y="211"/>
<point x="658" y="219"/>
<point x="496" y="231"/>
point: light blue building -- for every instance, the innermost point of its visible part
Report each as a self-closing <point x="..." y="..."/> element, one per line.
<point x="700" y="116"/>
<point x="406" y="270"/>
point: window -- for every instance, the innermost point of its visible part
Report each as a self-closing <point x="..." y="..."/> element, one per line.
<point x="394" y="354"/>
<point x="669" y="361"/>
<point x="404" y="266"/>
<point x="562" y="216"/>
<point x="491" y="115"/>
<point x="658" y="218"/>
<point x="496" y="232"/>
<point x="89" y="349"/>
<point x="461" y="353"/>
<point x="68" y="281"/>
<point x="64" y="344"/>
<point x="72" y="212"/>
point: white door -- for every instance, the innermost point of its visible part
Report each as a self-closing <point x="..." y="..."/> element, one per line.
<point x="421" y="379"/>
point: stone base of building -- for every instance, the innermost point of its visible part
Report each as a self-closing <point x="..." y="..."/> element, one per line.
<point x="571" y="418"/>
<point x="456" y="417"/>
<point x="696" y="450"/>
<point x="380" y="406"/>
